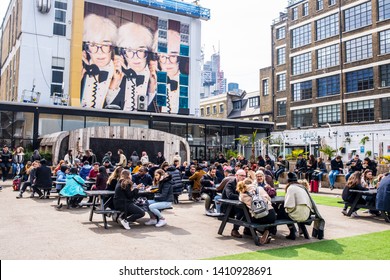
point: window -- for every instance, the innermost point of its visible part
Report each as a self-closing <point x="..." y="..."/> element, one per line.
<point x="214" y="109"/>
<point x="301" y="63"/>
<point x="384" y="9"/>
<point x="302" y="91"/>
<point x="281" y="33"/>
<point x="360" y="111"/>
<point x="59" y="27"/>
<point x="294" y="15"/>
<point x="237" y="105"/>
<point x="360" y="80"/>
<point x="328" y="57"/>
<point x="302" y="118"/>
<point x="265" y="87"/>
<point x="301" y="36"/>
<point x="281" y="107"/>
<point x="358" y="49"/>
<point x="328" y="86"/>
<point x="281" y="80"/>
<point x="320" y="5"/>
<point x="281" y="56"/>
<point x="221" y="108"/>
<point x="384" y="75"/>
<point x="384" y="41"/>
<point x="207" y="111"/>
<point x="385" y="102"/>
<point x="327" y="27"/>
<point x="305" y="9"/>
<point x="329" y="114"/>
<point x="57" y="72"/>
<point x="331" y="2"/>
<point x="202" y="112"/>
<point x="358" y="16"/>
<point x="254" y="102"/>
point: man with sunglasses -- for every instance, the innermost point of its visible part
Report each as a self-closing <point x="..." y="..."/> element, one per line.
<point x="98" y="66"/>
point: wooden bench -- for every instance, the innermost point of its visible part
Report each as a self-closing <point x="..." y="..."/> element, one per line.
<point x="246" y="222"/>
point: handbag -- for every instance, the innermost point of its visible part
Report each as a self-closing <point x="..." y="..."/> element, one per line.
<point x="143" y="203"/>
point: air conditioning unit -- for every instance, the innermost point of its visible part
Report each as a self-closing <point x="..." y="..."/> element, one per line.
<point x="141" y="103"/>
<point x="44" y="6"/>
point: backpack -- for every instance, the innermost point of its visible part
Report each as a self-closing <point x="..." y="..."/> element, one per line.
<point x="259" y="207"/>
<point x="16" y="183"/>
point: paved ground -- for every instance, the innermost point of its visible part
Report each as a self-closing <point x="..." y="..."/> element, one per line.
<point x="33" y="229"/>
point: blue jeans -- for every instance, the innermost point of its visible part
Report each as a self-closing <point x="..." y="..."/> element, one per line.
<point x="217" y="203"/>
<point x="15" y="167"/>
<point x="348" y="175"/>
<point x="155" y="206"/>
<point x="333" y="176"/>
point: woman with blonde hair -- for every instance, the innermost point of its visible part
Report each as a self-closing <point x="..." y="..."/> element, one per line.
<point x="124" y="197"/>
<point x="246" y="191"/>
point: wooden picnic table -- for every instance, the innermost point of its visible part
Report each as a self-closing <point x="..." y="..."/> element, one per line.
<point x="247" y="222"/>
<point x="371" y="206"/>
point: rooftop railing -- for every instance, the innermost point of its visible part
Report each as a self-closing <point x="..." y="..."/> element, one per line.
<point x="177" y="7"/>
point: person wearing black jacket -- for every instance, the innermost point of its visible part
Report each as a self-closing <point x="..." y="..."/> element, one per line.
<point x="311" y="167"/>
<point x="355" y="164"/>
<point x="353" y="183"/>
<point x="162" y="199"/>
<point x="300" y="166"/>
<point x="42" y="180"/>
<point x="371" y="165"/>
<point x="176" y="181"/>
<point x="124" y="197"/>
<point x="5" y="162"/>
<point x="230" y="192"/>
<point x="208" y="181"/>
<point x="336" y="168"/>
<point x="159" y="159"/>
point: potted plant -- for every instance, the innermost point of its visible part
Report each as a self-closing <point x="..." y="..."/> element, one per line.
<point x="364" y="140"/>
<point x="328" y="150"/>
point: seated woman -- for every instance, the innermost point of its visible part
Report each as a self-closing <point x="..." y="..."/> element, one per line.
<point x="162" y="199"/>
<point x="246" y="191"/>
<point x="61" y="176"/>
<point x="353" y="183"/>
<point x="74" y="188"/>
<point x="297" y="203"/>
<point x="110" y="186"/>
<point x="124" y="197"/>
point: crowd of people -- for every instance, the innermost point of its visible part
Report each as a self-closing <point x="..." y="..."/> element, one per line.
<point x="235" y="179"/>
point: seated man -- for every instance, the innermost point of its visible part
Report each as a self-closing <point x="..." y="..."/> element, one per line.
<point x="300" y="166"/>
<point x="282" y="165"/>
<point x="209" y="180"/>
<point x="142" y="178"/>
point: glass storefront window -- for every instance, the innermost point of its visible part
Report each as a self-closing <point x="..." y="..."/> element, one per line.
<point x="49" y="123"/>
<point x="196" y="134"/>
<point x="162" y="126"/>
<point x="179" y="129"/>
<point x="213" y="141"/>
<point x="73" y="122"/>
<point x="139" y="123"/>
<point x="228" y="135"/>
<point x="96" y="121"/>
<point x="119" y="122"/>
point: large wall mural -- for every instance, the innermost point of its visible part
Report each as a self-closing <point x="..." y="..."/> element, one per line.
<point x="134" y="62"/>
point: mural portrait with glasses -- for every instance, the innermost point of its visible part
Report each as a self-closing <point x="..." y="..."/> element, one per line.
<point x="134" y="62"/>
<point x="173" y="69"/>
<point x="97" y="60"/>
